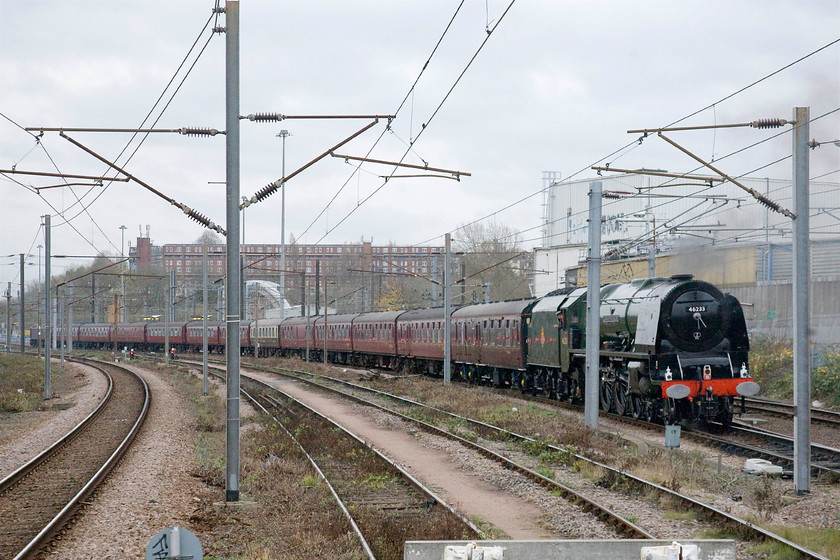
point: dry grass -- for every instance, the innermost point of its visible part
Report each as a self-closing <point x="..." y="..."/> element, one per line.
<point x="21" y="382"/>
<point x="290" y="518"/>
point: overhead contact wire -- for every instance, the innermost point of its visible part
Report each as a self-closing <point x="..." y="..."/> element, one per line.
<point x="396" y="113"/>
<point x="635" y="142"/>
<point x="426" y="125"/>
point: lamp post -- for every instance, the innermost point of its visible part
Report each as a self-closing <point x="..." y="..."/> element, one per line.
<point x="283" y="134"/>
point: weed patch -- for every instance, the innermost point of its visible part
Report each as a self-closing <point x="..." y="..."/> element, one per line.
<point x="21" y="383"/>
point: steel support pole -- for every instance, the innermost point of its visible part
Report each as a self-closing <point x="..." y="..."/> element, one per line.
<point x="593" y="308"/>
<point x="447" y="312"/>
<point x="306" y="303"/>
<point x="166" y="306"/>
<point x="55" y="323"/>
<point x="122" y="276"/>
<point x="22" y="307"/>
<point x="70" y="321"/>
<point x="232" y="286"/>
<point x="801" y="278"/>
<point x="62" y="331"/>
<point x="47" y="308"/>
<point x="8" y="318"/>
<point x="243" y="290"/>
<point x="317" y="287"/>
<point x="283" y="134"/>
<point x="256" y="320"/>
<point x="302" y="294"/>
<point x="116" y="321"/>
<point x="372" y="304"/>
<point x="204" y="318"/>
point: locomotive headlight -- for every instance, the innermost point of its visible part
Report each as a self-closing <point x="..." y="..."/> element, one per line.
<point x="744" y="371"/>
<point x="668" y="375"/>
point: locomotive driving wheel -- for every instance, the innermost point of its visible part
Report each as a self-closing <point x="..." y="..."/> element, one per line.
<point x="620" y="396"/>
<point x="637" y="406"/>
<point x="726" y="412"/>
<point x="650" y="410"/>
<point x="607" y="400"/>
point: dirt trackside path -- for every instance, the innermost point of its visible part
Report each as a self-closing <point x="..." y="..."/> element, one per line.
<point x="433" y="463"/>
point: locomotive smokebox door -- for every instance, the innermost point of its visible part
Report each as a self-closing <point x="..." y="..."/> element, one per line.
<point x="672" y="436"/>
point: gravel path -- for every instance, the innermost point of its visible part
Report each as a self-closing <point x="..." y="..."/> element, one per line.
<point x="475" y="485"/>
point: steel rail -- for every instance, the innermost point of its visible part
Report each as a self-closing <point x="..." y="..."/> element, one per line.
<point x="819" y="453"/>
<point x="423" y="489"/>
<point x="408" y="476"/>
<point x="719" y="441"/>
<point x="740" y="522"/>
<point x="786" y="409"/>
<point x="603" y="513"/>
<point x="321" y="474"/>
<point x="39" y="459"/>
<point x="70" y="508"/>
<point x="758" y="532"/>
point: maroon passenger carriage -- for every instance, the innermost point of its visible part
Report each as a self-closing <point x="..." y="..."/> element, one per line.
<point x="131" y="335"/>
<point x="488" y="344"/>
<point x="244" y="336"/>
<point x="420" y="339"/>
<point x="339" y="338"/>
<point x="156" y="335"/>
<point x="374" y="338"/>
<point x="293" y="336"/>
<point x="95" y="335"/>
<point x="195" y="336"/>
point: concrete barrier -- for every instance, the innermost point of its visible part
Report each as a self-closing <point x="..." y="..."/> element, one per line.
<point x="629" y="549"/>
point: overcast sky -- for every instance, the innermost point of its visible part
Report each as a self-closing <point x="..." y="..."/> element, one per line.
<point x="556" y="87"/>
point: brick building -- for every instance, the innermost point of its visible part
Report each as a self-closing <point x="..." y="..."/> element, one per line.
<point x="262" y="261"/>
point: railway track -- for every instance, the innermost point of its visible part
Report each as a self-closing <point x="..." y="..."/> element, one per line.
<point x="748" y="441"/>
<point x="778" y="408"/>
<point x="377" y="496"/>
<point x="775" y="447"/>
<point x="39" y="498"/>
<point x="722" y="518"/>
<point x="600" y="511"/>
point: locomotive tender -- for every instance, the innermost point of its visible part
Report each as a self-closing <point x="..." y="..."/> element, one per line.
<point x="670" y="348"/>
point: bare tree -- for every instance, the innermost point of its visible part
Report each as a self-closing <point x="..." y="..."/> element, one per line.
<point x="209" y="237"/>
<point x="491" y="254"/>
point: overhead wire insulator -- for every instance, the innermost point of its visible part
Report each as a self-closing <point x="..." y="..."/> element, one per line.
<point x="266" y="191"/>
<point x="769" y="123"/>
<point x="200" y="218"/>
<point x="191" y="131"/>
<point x="265" y="117"/>
<point x="772" y="205"/>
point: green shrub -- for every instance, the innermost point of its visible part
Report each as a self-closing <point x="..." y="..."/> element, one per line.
<point x="825" y="379"/>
